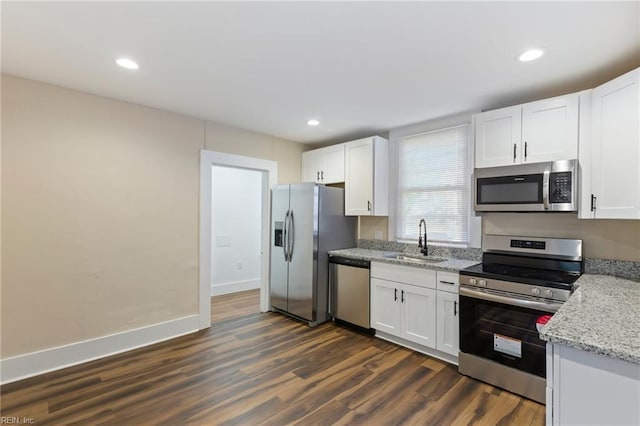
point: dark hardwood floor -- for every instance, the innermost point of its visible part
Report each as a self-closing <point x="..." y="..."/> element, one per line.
<point x="266" y="369"/>
<point x="234" y="305"/>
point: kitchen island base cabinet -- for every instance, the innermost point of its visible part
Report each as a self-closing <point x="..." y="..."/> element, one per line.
<point x="584" y="388"/>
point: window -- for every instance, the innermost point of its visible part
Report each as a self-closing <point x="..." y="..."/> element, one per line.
<point x="434" y="183"/>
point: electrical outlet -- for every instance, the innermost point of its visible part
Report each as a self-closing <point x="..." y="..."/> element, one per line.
<point x="377" y="235"/>
<point x="239" y="266"/>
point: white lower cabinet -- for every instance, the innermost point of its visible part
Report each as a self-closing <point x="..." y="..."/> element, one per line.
<point x="385" y="309"/>
<point x="404" y="310"/>
<point x="406" y="303"/>
<point x="447" y="321"/>
<point x="417" y="309"/>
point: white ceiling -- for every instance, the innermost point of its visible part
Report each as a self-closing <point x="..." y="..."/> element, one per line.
<point x="358" y="67"/>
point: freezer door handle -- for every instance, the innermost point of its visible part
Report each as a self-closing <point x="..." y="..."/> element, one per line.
<point x="285" y="238"/>
<point x="291" y="235"/>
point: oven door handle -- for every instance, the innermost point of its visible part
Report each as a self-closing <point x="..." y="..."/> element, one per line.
<point x="492" y="297"/>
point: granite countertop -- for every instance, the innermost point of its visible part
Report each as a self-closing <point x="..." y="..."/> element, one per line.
<point x="449" y="264"/>
<point x="602" y="316"/>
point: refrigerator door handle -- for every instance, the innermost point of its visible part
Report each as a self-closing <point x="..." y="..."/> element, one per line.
<point x="285" y="237"/>
<point x="291" y="235"/>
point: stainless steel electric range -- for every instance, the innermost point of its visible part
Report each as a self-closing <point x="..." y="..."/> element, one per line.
<point x="504" y="301"/>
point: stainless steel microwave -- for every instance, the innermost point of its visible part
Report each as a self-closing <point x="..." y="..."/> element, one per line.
<point x="537" y="187"/>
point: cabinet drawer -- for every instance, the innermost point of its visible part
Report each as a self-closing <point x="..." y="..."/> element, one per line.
<point x="448" y="281"/>
<point x="404" y="274"/>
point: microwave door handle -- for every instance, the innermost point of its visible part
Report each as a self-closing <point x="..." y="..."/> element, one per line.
<point x="545" y="189"/>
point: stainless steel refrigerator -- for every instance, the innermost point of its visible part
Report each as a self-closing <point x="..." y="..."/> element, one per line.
<point x="307" y="220"/>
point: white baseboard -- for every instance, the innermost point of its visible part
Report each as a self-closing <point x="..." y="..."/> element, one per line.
<point x="234" y="287"/>
<point x="35" y="363"/>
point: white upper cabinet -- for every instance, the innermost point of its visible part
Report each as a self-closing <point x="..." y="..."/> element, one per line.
<point x="366" y="180"/>
<point x="312" y="163"/>
<point x="550" y="129"/>
<point x="498" y="134"/>
<point x="610" y="157"/>
<point x="324" y="165"/>
<point x="545" y="130"/>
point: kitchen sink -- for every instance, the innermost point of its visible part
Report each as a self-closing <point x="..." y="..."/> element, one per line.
<point x="415" y="259"/>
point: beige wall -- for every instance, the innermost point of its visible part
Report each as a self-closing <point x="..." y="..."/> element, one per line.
<point x="603" y="239"/>
<point x="100" y="212"/>
<point x="370" y="224"/>
<point x="232" y="140"/>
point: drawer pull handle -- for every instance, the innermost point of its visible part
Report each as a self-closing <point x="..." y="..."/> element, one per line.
<point x="448" y="282"/>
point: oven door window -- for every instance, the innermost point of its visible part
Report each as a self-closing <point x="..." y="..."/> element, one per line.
<point x="526" y="189"/>
<point x="502" y="333"/>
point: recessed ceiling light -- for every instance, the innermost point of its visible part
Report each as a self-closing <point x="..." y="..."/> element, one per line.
<point x="313" y="122"/>
<point x="531" y="55"/>
<point x="127" y="63"/>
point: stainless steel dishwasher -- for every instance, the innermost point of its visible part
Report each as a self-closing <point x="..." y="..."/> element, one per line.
<point x="349" y="292"/>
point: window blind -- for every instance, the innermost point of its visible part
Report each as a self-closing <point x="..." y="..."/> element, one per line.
<point x="434" y="183"/>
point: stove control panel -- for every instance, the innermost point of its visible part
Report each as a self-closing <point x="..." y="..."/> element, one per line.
<point x="526" y="290"/>
<point x="528" y="244"/>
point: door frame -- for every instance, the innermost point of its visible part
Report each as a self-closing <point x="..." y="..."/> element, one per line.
<point x="269" y="170"/>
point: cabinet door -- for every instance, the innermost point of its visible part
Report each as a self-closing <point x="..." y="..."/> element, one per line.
<point x="447" y="313"/>
<point x="498" y="136"/>
<point x="358" y="187"/>
<point x="385" y="306"/>
<point x="550" y="129"/>
<point x="418" y="323"/>
<point x="312" y="165"/>
<point x="333" y="169"/>
<point x="615" y="178"/>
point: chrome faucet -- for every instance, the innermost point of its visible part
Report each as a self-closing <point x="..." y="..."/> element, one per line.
<point x="423" y="248"/>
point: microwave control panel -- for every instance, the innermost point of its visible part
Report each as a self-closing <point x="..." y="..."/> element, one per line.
<point x="560" y="187"/>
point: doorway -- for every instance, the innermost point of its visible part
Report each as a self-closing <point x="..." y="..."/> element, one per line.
<point x="268" y="172"/>
<point x="236" y="211"/>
